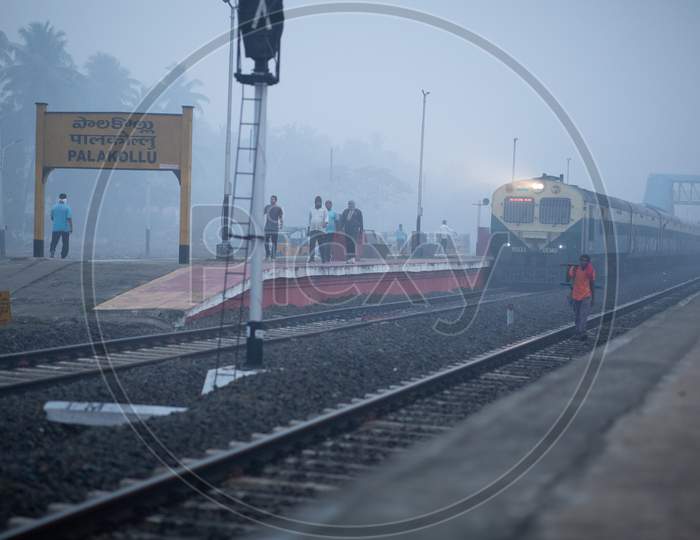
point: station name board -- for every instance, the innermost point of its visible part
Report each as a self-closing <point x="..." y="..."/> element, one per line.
<point x="112" y="140"/>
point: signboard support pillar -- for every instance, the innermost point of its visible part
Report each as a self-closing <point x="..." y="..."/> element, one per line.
<point x="254" y="342"/>
<point x="39" y="182"/>
<point x="185" y="184"/>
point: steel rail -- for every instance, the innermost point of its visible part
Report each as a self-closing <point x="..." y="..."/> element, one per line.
<point x="104" y="359"/>
<point x="137" y="499"/>
<point x="25" y="358"/>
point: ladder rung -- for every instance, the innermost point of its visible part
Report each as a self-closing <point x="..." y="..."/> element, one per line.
<point x="249" y="148"/>
<point x="245" y="172"/>
<point x="251" y="99"/>
<point x="250" y="123"/>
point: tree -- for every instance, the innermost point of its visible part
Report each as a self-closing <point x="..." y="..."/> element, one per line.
<point x="5" y="59"/>
<point x="181" y="92"/>
<point x="41" y="69"/>
<point x="109" y="83"/>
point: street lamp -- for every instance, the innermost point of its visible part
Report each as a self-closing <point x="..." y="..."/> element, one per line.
<point x="224" y="248"/>
<point x="3" y="225"/>
<point x="419" y="213"/>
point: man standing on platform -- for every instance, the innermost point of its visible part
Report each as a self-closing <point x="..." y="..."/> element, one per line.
<point x="582" y="293"/>
<point x="62" y="218"/>
<point x="273" y="224"/>
<point x="445" y="235"/>
<point x="317" y="226"/>
<point x="328" y="239"/>
<point x="353" y="227"/>
<point x="400" y="239"/>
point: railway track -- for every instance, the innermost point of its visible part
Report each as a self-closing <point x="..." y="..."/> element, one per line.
<point x="226" y="492"/>
<point x="31" y="369"/>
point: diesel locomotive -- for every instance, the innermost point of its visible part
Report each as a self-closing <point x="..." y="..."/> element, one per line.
<point x="540" y="225"/>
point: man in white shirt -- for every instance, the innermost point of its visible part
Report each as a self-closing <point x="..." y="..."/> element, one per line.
<point x="318" y="219"/>
<point x="446" y="233"/>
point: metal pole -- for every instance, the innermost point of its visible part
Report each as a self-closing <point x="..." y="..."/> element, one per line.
<point x="254" y="343"/>
<point x="2" y="200"/>
<point x="568" y="164"/>
<point x="478" y="224"/>
<point x="148" y="218"/>
<point x="3" y="225"/>
<point x="3" y="249"/>
<point x="330" y="170"/>
<point x="225" y="205"/>
<point x="419" y="213"/>
<point x="512" y="176"/>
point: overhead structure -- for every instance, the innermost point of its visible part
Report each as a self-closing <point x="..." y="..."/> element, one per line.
<point x="260" y="25"/>
<point x="665" y="191"/>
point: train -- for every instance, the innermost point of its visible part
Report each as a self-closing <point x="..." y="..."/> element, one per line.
<point x="539" y="225"/>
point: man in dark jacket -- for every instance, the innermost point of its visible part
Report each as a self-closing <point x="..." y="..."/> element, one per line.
<point x="352" y="225"/>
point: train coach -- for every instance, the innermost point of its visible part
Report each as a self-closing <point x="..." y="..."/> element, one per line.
<point x="540" y="224"/>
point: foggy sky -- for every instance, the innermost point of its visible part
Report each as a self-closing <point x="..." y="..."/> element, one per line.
<point x="626" y="72"/>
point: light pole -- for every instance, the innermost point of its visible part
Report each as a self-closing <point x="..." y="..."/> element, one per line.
<point x="224" y="248"/>
<point x="512" y="175"/>
<point x="419" y="213"/>
<point x="148" y="218"/>
<point x="330" y="172"/>
<point x="3" y="225"/>
<point x="568" y="164"/>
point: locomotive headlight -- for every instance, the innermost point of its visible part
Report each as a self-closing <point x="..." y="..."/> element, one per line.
<point x="507" y="244"/>
<point x="537" y="187"/>
<point x="561" y="246"/>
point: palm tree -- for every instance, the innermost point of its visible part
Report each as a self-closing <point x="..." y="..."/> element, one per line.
<point x="181" y="92"/>
<point x="5" y="50"/>
<point x="41" y="70"/>
<point x="110" y="84"/>
<point x="5" y="59"/>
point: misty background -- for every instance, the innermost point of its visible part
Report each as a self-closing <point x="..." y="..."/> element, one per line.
<point x="625" y="71"/>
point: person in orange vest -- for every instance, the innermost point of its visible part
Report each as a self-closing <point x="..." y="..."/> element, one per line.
<point x="582" y="279"/>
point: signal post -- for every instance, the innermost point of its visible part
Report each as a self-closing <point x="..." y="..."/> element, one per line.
<point x="260" y="25"/>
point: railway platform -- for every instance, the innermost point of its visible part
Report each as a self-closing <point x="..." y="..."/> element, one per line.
<point x="625" y="466"/>
<point x="201" y="289"/>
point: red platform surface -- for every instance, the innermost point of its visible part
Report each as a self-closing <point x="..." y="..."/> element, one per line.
<point x="198" y="290"/>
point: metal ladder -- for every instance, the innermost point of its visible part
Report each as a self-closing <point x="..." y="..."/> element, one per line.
<point x="240" y="224"/>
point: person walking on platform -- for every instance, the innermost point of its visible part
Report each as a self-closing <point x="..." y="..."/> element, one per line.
<point x="353" y="227"/>
<point x="62" y="218"/>
<point x="317" y="226"/>
<point x="273" y="225"/>
<point x="328" y="238"/>
<point x="582" y="279"/>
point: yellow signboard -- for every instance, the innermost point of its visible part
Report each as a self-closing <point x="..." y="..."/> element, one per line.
<point x="112" y="140"/>
<point x="5" y="309"/>
<point x="136" y="141"/>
